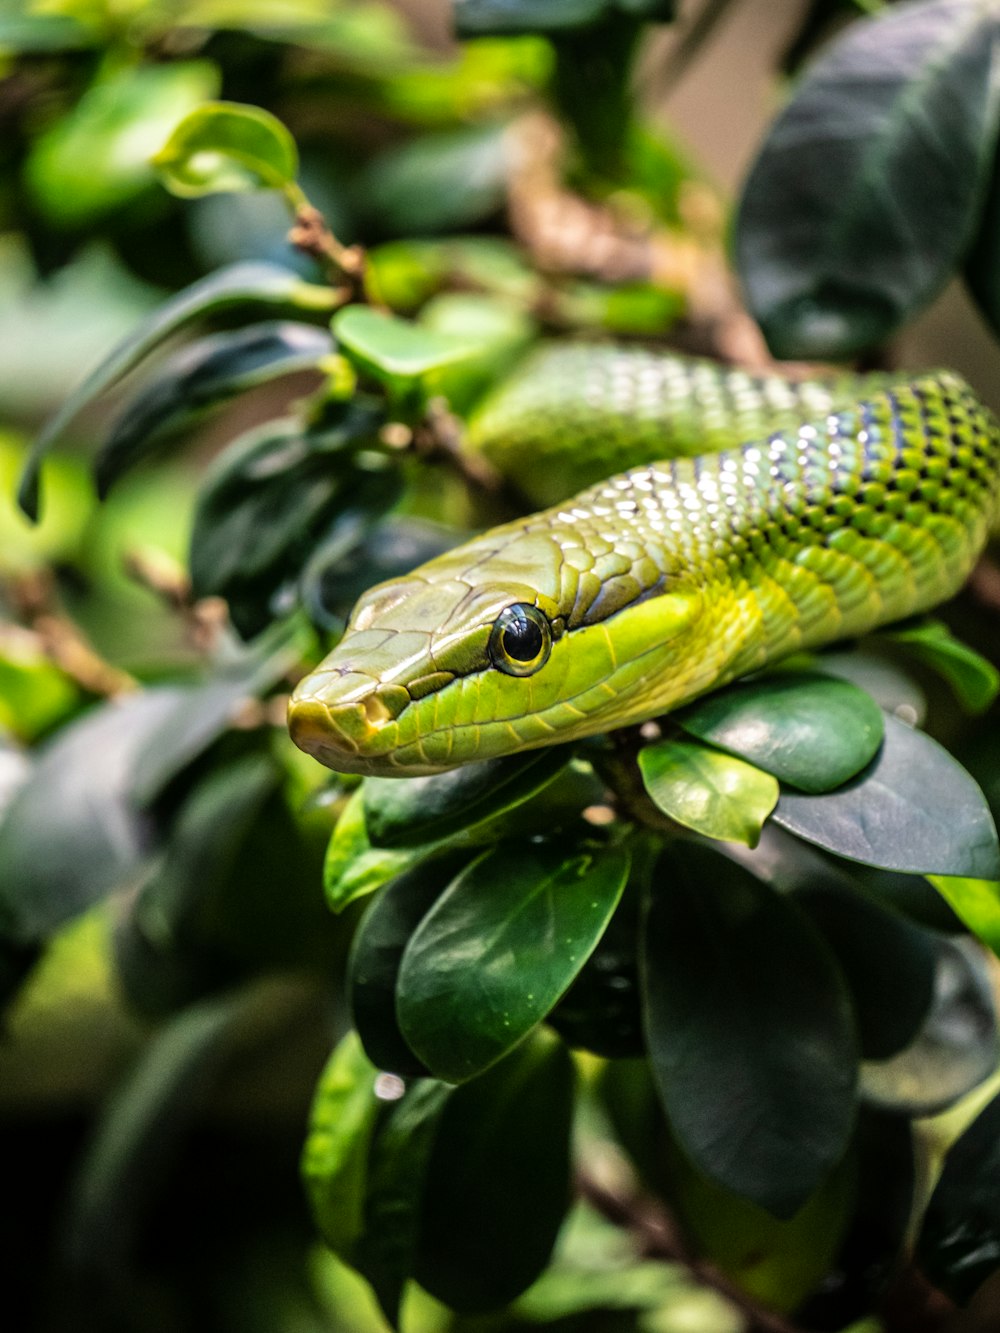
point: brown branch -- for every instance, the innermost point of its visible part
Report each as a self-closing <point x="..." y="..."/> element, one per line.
<point x="439" y="435"/>
<point x="345" y="263"/>
<point x="984" y="584"/>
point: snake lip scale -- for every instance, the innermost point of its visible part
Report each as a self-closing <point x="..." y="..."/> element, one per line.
<point x="669" y="579"/>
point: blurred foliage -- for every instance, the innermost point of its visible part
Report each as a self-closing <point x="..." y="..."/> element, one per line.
<point x="259" y="264"/>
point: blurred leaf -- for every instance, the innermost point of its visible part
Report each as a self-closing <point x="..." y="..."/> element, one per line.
<point x="982" y="264"/>
<point x="887" y="962"/>
<point x="393" y="349"/>
<point x="959" y="1242"/>
<point x="353" y="867"/>
<point x="441" y="181"/>
<point x="475" y="18"/>
<point x="739" y="988"/>
<point x="422" y="810"/>
<point x="238" y="285"/>
<point x="494" y="328"/>
<point x="875" y="211"/>
<point x="976" y="902"/>
<point x="38" y="34"/>
<point x="956" y="1048"/>
<point x="913" y="809"/>
<point x="397" y="1176"/>
<point x="809" y="730"/>
<point x="498" y="1181"/>
<point x="335" y="1155"/>
<point x="500" y="947"/>
<point x="272" y="495"/>
<point x="200" y="378"/>
<point x="712" y="793"/>
<point x="227" y="147"/>
<point x="975" y="681"/>
<point x="376" y="955"/>
<point x="96" y="157"/>
<point x="34" y="692"/>
<point x="52" y="869"/>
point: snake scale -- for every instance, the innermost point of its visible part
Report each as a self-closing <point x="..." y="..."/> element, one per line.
<point x="749" y="517"/>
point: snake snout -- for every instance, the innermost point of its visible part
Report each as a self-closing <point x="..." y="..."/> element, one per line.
<point x="339" y="720"/>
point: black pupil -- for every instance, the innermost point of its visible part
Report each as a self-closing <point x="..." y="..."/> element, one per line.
<point x="522" y="640"/>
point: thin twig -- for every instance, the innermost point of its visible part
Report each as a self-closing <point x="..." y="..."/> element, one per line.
<point x="440" y="435"/>
<point x="345" y="263"/>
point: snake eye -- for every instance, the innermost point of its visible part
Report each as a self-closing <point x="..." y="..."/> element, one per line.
<point x="521" y="640"/>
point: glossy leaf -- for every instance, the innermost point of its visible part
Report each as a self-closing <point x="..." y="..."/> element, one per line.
<point x="96" y="157"/>
<point x="266" y="285"/>
<point x="376" y="955"/>
<point x="421" y="810"/>
<point x="353" y="867"/>
<point x="959" y="1243"/>
<point x="394" y="349"/>
<point x="500" y="947"/>
<point x="498" y="1180"/>
<point x="335" y="1156"/>
<point x="975" y="681"/>
<point x="740" y="993"/>
<point x="200" y="378"/>
<point x="226" y="146"/>
<point x="957" y="1046"/>
<point x="875" y="211"/>
<point x="812" y="731"/>
<point x="913" y="809"/>
<point x="712" y="793"/>
<point x="976" y="902"/>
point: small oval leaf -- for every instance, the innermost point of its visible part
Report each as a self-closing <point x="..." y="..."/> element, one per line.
<point x="812" y="731"/>
<point x="913" y="809"/>
<point x="712" y="793"/>
<point x="394" y="349"/>
<point x="226" y="147"/>
<point x="740" y="993"/>
<point x="496" y="952"/>
<point x="354" y="868"/>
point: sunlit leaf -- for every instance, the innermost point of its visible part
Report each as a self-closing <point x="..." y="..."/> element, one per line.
<point x="227" y="146"/>
<point x="353" y="867"/>
<point x="712" y="793"/>
<point x="976" y="902"/>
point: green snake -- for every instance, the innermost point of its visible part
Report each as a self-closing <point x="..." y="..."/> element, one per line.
<point x="750" y="517"/>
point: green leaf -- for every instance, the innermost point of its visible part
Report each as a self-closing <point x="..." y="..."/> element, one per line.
<point x="976" y="681"/>
<point x="376" y="955"/>
<point x="230" y="288"/>
<point x="395" y="350"/>
<point x="197" y="380"/>
<point x="38" y="34"/>
<point x="876" y="211"/>
<point x="959" y="1243"/>
<point x="812" y="731"/>
<point x="52" y="869"/>
<point x="500" y="947"/>
<point x="422" y="810"/>
<point x="982" y="264"/>
<point x="913" y="809"/>
<point x="226" y="147"/>
<point x="976" y="902"/>
<point x="957" y="1047"/>
<point x="398" y="1168"/>
<point x="335" y="1156"/>
<point x="96" y="157"/>
<point x="353" y="867"/>
<point x="271" y="496"/>
<point x="498" y="1181"/>
<point x="712" y="793"/>
<point x="740" y="993"/>
<point x="479" y="18"/>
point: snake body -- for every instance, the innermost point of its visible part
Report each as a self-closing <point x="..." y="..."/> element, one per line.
<point x="848" y="504"/>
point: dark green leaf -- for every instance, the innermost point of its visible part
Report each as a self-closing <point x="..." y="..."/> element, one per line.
<point x="500" y="947"/>
<point x="982" y="265"/>
<point x="96" y="156"/>
<point x="421" y="810"/>
<point x="353" y="867"/>
<point x="876" y="210"/>
<point x="272" y="496"/>
<point x="335" y="1156"/>
<point x="225" y="146"/>
<point x="741" y="994"/>
<point x="498" y="1180"/>
<point x="812" y="731"/>
<point x="397" y="1173"/>
<point x="974" y="680"/>
<point x="959" y="1243"/>
<point x="37" y="34"/>
<point x="479" y="18"/>
<point x="892" y="688"/>
<point x="238" y="285"/>
<point x="376" y="954"/>
<point x="888" y="964"/>
<point x="712" y="793"/>
<point x="957" y="1046"/>
<point x="71" y="833"/>
<point x="200" y="378"/>
<point x="913" y="809"/>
